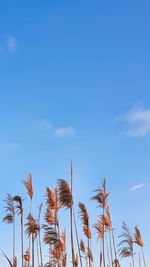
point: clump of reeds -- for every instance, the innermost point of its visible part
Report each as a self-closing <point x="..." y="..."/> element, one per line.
<point x="44" y="230"/>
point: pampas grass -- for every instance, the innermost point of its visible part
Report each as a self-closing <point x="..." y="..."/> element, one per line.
<point x="50" y="234"/>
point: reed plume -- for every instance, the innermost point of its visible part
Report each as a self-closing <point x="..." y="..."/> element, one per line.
<point x="90" y="255"/>
<point x="139" y="241"/>
<point x="27" y="257"/>
<point x="102" y="195"/>
<point x="84" y="216"/>
<point x="50" y="235"/>
<point x="32" y="230"/>
<point x="49" y="216"/>
<point x="101" y="198"/>
<point x="56" y="253"/>
<point x="64" y="260"/>
<point x="19" y="207"/>
<point x="30" y="191"/>
<point x="15" y="262"/>
<point x="76" y="260"/>
<point x="10" y="217"/>
<point x="82" y="246"/>
<point x="63" y="241"/>
<point x="66" y="201"/>
<point x="108" y="226"/>
<point x="50" y="238"/>
<point x="53" y="207"/>
<point x="106" y="219"/>
<point x="29" y="186"/>
<point x="65" y="195"/>
<point x="83" y="251"/>
<point x="126" y="243"/>
<point x="99" y="226"/>
<point x="50" y="198"/>
<point x="138" y="238"/>
<point x="39" y="234"/>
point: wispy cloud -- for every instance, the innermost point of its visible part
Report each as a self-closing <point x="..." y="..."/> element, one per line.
<point x="65" y="132"/>
<point x="136" y="187"/>
<point x="139" y="121"/>
<point x="62" y="132"/>
<point x="12" y="146"/>
<point x="11" y="43"/>
<point x="9" y="146"/>
<point x="45" y="124"/>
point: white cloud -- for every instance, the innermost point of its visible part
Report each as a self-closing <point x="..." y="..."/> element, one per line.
<point x="139" y="120"/>
<point x="11" y="43"/>
<point x="58" y="132"/>
<point x="9" y="146"/>
<point x="45" y="124"/>
<point x="12" y="145"/>
<point x="65" y="132"/>
<point x="136" y="187"/>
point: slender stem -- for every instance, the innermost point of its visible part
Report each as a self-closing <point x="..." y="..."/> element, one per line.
<point x="22" y="239"/>
<point x="72" y="243"/>
<point x="86" y="261"/>
<point x="143" y="257"/>
<point x="88" y="251"/>
<point x="37" y="251"/>
<point x="113" y="238"/>
<point x="71" y="222"/>
<point x="92" y="263"/>
<point x="108" y="256"/>
<point x="14" y="237"/>
<point x="111" y="253"/>
<point x="139" y="260"/>
<point x="30" y="236"/>
<point x="40" y="246"/>
<point x="58" y="226"/>
<point x="32" y="250"/>
<point x="132" y="260"/>
<point x="50" y="255"/>
<point x="77" y="238"/>
<point x="103" y="242"/>
<point x="100" y="258"/>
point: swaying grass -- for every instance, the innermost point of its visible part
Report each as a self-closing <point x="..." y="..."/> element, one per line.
<point x="51" y="235"/>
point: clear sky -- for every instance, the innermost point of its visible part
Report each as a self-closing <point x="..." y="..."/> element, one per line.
<point x="75" y="83"/>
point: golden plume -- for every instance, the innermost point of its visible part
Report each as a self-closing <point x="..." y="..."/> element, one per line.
<point x="29" y="186"/>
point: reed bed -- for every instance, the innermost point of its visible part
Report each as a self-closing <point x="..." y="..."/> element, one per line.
<point x="63" y="250"/>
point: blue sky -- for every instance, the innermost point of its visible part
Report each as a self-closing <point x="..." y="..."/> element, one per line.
<point x="74" y="83"/>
